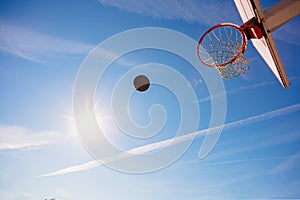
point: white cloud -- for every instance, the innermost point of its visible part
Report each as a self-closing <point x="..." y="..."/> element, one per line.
<point x="204" y="12"/>
<point x="35" y="46"/>
<point x="176" y="140"/>
<point x="62" y="194"/>
<point x="15" y="137"/>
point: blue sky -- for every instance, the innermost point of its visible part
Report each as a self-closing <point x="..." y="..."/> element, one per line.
<point x="44" y="43"/>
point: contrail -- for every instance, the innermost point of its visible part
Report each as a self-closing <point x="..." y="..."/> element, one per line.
<point x="176" y="140"/>
<point x="236" y="91"/>
<point x="247" y="160"/>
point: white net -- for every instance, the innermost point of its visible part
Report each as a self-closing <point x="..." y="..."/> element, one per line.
<point x="234" y="69"/>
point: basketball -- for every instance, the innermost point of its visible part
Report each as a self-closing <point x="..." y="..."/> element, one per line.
<point x="141" y="83"/>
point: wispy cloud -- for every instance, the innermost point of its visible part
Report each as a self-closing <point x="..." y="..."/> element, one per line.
<point x="247" y="160"/>
<point x="76" y="168"/>
<point x="229" y="162"/>
<point x="237" y="90"/>
<point x="42" y="48"/>
<point x="237" y="146"/>
<point x="36" y="46"/>
<point x="63" y="194"/>
<point x="289" y="33"/>
<point x="15" y="137"/>
<point x="204" y="12"/>
<point x="288" y="164"/>
<point x="179" y="139"/>
<point x="245" y="88"/>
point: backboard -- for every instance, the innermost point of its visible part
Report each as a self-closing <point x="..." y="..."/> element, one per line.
<point x="266" y="46"/>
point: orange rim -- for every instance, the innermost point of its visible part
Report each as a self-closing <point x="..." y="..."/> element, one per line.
<point x="242" y="50"/>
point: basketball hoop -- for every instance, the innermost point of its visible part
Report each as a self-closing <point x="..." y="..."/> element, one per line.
<point x="222" y="47"/>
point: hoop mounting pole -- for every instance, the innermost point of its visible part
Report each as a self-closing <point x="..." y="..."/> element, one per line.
<point x="280" y="13"/>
